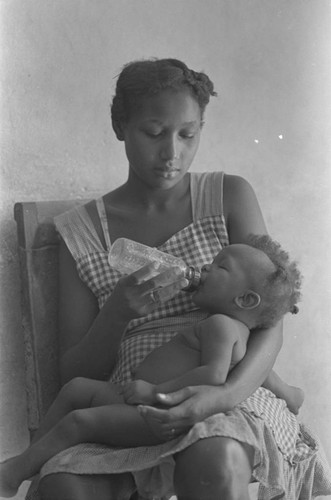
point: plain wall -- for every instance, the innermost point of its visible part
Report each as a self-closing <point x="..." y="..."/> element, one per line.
<point x="271" y="123"/>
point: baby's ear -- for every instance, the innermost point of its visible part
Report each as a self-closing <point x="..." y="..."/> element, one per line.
<point x="249" y="300"/>
<point x="118" y="129"/>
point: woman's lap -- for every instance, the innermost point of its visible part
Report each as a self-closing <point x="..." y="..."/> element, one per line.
<point x="270" y="467"/>
<point x="205" y="466"/>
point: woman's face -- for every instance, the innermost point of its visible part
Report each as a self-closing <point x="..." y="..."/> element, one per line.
<point x="162" y="137"/>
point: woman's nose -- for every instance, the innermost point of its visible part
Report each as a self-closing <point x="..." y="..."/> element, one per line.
<point x="170" y="149"/>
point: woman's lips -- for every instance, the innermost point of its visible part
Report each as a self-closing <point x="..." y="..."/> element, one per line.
<point x="167" y="172"/>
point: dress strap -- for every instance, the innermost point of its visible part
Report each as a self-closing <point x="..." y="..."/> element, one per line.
<point x="104" y="221"/>
<point x="207" y="194"/>
<point x="77" y="230"/>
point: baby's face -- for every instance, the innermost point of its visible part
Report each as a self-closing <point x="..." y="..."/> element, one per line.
<point x="235" y="270"/>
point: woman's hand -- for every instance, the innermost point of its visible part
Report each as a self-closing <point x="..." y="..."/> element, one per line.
<point x="186" y="407"/>
<point x="89" y="337"/>
<point x="141" y="292"/>
<point x="196" y="403"/>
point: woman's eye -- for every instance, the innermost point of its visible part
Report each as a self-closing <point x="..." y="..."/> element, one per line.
<point x="187" y="136"/>
<point x="152" y="133"/>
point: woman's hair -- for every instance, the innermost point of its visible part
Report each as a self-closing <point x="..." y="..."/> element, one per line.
<point x="148" y="77"/>
<point x="281" y="288"/>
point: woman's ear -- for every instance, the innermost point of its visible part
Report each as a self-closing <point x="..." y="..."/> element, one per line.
<point x="118" y="129"/>
<point x="249" y="300"/>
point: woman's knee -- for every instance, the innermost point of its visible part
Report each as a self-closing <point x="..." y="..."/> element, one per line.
<point x="213" y="468"/>
<point x="62" y="486"/>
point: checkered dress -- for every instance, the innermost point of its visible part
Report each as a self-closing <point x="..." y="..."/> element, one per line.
<point x="286" y="457"/>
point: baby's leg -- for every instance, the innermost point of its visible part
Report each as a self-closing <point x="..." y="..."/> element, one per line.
<point x="115" y="425"/>
<point x="76" y="394"/>
<point x="294" y="396"/>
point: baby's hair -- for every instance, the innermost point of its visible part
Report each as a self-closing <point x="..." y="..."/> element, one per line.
<point x="148" y="77"/>
<point x="281" y="288"/>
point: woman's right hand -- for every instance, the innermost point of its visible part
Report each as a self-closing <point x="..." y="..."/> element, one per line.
<point x="141" y="292"/>
<point x="90" y="337"/>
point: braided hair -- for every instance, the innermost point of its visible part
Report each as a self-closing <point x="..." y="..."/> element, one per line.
<point x="148" y="77"/>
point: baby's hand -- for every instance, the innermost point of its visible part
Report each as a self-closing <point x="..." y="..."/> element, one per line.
<point x="139" y="392"/>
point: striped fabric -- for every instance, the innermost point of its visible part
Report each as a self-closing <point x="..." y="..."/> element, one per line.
<point x="283" y="453"/>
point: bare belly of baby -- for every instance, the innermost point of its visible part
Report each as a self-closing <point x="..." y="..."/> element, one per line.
<point x="171" y="360"/>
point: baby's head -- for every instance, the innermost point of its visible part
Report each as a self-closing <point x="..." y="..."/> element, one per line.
<point x="254" y="282"/>
<point x="146" y="78"/>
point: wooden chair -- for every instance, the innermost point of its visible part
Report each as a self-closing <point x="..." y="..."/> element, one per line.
<point x="38" y="245"/>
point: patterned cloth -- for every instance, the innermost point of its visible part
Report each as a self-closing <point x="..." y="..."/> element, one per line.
<point x="287" y="460"/>
<point x="281" y="421"/>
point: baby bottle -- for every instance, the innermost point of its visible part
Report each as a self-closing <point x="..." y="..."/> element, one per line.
<point x="127" y="256"/>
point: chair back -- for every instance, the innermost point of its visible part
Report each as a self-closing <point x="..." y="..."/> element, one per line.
<point x="38" y="243"/>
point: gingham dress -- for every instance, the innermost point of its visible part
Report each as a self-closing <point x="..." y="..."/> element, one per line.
<point x="287" y="460"/>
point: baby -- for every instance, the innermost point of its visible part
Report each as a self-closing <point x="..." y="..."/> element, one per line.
<point x="246" y="286"/>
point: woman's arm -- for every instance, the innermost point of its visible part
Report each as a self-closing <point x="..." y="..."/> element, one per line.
<point x="86" y="346"/>
<point x="195" y="403"/>
<point x="89" y="337"/>
<point x="262" y="350"/>
<point x="217" y="337"/>
<point x="243" y="217"/>
<point x="242" y="212"/>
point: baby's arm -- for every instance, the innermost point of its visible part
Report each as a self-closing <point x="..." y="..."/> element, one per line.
<point x="294" y="396"/>
<point x="218" y="336"/>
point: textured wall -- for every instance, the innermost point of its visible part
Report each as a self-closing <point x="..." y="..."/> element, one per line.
<point x="271" y="123"/>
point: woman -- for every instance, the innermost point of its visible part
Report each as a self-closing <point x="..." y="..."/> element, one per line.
<point x="108" y="325"/>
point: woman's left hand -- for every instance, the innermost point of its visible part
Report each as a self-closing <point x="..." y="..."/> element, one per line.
<point x="186" y="407"/>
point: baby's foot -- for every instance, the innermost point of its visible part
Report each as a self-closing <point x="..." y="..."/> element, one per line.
<point x="295" y="398"/>
<point x="8" y="485"/>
